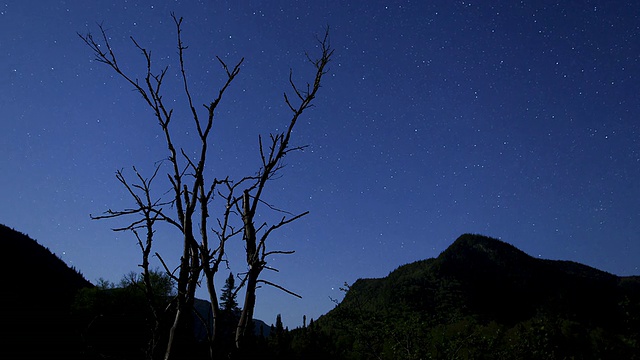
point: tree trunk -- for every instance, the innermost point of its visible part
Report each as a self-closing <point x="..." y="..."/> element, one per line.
<point x="246" y="318"/>
<point x="187" y="284"/>
<point x="215" y="311"/>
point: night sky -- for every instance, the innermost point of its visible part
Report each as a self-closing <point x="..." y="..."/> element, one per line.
<point x="518" y="120"/>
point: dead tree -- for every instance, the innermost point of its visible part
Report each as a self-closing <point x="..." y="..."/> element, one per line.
<point x="271" y="158"/>
<point x="191" y="195"/>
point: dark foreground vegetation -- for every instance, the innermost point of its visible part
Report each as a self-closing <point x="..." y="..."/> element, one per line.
<point x="480" y="299"/>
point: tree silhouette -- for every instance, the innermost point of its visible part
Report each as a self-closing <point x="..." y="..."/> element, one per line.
<point x="228" y="301"/>
<point x="192" y="193"/>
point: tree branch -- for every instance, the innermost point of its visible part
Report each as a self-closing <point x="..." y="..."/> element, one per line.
<point x="279" y="287"/>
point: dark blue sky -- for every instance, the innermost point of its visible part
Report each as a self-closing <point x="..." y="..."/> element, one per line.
<point x="514" y="119"/>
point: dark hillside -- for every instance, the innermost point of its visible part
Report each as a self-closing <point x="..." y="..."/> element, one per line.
<point x="37" y="266"/>
<point x="504" y="284"/>
<point x="38" y="290"/>
<point x="484" y="298"/>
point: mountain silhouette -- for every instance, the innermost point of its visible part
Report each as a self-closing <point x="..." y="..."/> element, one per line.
<point x="484" y="298"/>
<point x="481" y="298"/>
<point x="38" y="291"/>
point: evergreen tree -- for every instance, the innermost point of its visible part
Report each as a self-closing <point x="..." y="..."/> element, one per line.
<point x="279" y="340"/>
<point x="279" y="326"/>
<point x="228" y="302"/>
<point x="229" y="315"/>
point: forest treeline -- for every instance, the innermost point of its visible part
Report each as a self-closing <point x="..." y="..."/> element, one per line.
<point x="480" y="299"/>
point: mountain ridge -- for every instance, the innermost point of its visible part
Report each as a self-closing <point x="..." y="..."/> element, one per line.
<point x="495" y="293"/>
<point x="35" y="307"/>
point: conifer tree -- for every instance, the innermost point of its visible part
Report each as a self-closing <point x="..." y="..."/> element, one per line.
<point x="279" y="326"/>
<point x="228" y="302"/>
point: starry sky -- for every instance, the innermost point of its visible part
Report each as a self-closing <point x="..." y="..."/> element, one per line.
<point x="518" y="120"/>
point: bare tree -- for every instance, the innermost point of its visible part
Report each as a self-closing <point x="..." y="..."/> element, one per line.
<point x="271" y="157"/>
<point x="191" y="196"/>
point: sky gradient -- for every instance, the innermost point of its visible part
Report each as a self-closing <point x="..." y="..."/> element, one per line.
<point x="518" y="120"/>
